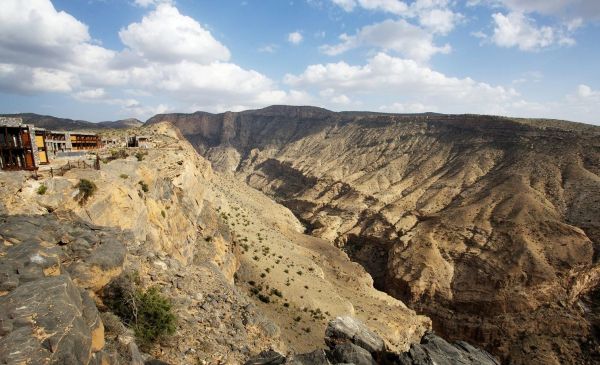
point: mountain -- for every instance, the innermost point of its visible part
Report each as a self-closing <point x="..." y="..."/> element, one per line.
<point x="122" y="124"/>
<point x="489" y="225"/>
<point x="54" y="123"/>
<point x="86" y="278"/>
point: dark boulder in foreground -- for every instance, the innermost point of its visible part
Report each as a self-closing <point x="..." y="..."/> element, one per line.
<point x="351" y="342"/>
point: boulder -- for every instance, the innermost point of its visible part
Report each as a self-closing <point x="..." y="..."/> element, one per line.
<point x="352" y="354"/>
<point x="435" y="350"/>
<point x="318" y="357"/>
<point x="47" y="324"/>
<point x="268" y="357"/>
<point x="350" y="330"/>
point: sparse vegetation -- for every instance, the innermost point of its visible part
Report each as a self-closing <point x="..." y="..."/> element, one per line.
<point x="124" y="176"/>
<point x="86" y="190"/>
<point x="144" y="186"/>
<point x="147" y="311"/>
<point x="140" y="155"/>
<point x="42" y="189"/>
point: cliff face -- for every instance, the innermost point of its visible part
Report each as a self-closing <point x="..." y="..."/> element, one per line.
<point x="240" y="273"/>
<point x="491" y="226"/>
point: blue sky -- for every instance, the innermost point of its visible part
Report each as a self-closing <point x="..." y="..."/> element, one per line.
<point x="111" y="59"/>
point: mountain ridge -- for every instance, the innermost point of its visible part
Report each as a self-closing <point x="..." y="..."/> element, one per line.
<point x="56" y="123"/>
<point x="476" y="221"/>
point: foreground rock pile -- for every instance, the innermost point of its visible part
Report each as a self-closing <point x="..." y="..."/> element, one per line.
<point x="50" y="268"/>
<point x="351" y="342"/>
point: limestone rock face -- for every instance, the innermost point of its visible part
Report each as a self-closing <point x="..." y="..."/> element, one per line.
<point x="435" y="350"/>
<point x="347" y="329"/>
<point x="48" y="265"/>
<point x="488" y="225"/>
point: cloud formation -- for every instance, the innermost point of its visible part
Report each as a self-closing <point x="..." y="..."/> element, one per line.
<point x="398" y="36"/>
<point x="519" y="30"/>
<point x="166" y="53"/>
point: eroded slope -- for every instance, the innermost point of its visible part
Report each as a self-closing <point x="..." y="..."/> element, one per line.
<point x="489" y="225"/>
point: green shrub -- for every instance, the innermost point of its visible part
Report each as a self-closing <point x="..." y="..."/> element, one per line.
<point x="86" y="190"/>
<point x="42" y="189"/>
<point x="140" y="155"/>
<point x="144" y="186"/>
<point x="124" y="176"/>
<point x="117" y="154"/>
<point x="263" y="298"/>
<point x="148" y="312"/>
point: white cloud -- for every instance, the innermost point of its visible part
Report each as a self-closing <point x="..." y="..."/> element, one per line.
<point x="33" y="32"/>
<point x="347" y="5"/>
<point x="332" y="97"/>
<point x="269" y="48"/>
<point x="295" y="38"/>
<point x="407" y="108"/>
<point x="91" y="94"/>
<point x="148" y="3"/>
<point x="384" y="75"/>
<point x="165" y="35"/>
<point x="434" y="15"/>
<point x="519" y="30"/>
<point x="588" y="9"/>
<point x="398" y="36"/>
<point x="28" y="80"/>
<point x="584" y="91"/>
<point x="167" y="54"/>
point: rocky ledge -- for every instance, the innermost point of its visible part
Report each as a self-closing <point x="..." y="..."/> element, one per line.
<point x="351" y="342"/>
<point x="49" y="272"/>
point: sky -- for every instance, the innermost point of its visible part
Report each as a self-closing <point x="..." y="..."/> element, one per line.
<point x="111" y="59"/>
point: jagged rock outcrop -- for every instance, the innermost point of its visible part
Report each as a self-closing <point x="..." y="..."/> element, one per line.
<point x="49" y="270"/>
<point x="489" y="225"/>
<point x="351" y="342"/>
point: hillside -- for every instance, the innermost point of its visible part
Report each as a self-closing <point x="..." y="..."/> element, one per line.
<point x="54" y="123"/>
<point x="240" y="274"/>
<point x="489" y="225"/>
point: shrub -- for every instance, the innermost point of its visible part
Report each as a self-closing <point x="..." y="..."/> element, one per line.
<point x="117" y="154"/>
<point x="140" y="155"/>
<point x="144" y="186"/>
<point x="263" y="298"/>
<point x="276" y="292"/>
<point x="124" y="176"/>
<point x="86" y="190"/>
<point x="42" y="189"/>
<point x="147" y="312"/>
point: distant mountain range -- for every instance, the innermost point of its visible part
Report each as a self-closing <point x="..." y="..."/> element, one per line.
<point x="50" y="122"/>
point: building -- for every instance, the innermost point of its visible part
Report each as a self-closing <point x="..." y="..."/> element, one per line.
<point x="24" y="147"/>
<point x="113" y="142"/>
<point x="81" y="141"/>
<point x="40" y="143"/>
<point x="57" y="142"/>
<point x="138" y="141"/>
<point x="18" y="147"/>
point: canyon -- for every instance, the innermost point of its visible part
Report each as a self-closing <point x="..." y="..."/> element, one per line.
<point x="488" y="225"/>
<point x="302" y="236"/>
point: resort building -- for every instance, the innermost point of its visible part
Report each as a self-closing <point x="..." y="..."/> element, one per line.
<point x="18" y="149"/>
<point x="24" y="147"/>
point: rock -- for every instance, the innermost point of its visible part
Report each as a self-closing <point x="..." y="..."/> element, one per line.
<point x="318" y="357"/>
<point x="268" y="357"/>
<point x="50" y="324"/>
<point x="348" y="329"/>
<point x="435" y="350"/>
<point x="155" y="362"/>
<point x="350" y="353"/>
